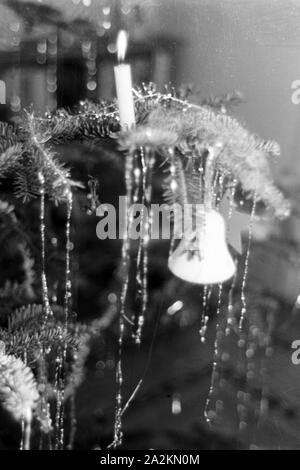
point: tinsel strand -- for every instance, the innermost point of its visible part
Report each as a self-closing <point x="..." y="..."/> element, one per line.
<point x="118" y="432"/>
<point x="215" y="359"/>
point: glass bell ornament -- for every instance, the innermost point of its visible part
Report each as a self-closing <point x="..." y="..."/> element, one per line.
<point x="202" y="256"/>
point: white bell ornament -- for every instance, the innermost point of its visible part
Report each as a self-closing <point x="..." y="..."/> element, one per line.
<point x="206" y="259"/>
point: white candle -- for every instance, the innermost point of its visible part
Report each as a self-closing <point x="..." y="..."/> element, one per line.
<point x="124" y="85"/>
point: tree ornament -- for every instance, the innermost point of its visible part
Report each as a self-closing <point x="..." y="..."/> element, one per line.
<point x="18" y="393"/>
<point x="204" y="258"/>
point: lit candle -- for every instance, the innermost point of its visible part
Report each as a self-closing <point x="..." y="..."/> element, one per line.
<point x="124" y="84"/>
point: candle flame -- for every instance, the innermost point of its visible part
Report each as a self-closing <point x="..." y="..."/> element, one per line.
<point x="122" y="40"/>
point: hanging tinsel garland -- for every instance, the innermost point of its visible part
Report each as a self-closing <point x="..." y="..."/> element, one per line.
<point x="207" y="154"/>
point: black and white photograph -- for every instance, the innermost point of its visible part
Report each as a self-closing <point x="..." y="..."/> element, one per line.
<point x="149" y="229"/>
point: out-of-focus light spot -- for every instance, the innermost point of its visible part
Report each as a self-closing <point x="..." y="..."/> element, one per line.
<point x="249" y="353"/>
<point x="87" y="3"/>
<point x="176" y="404"/>
<point x="175" y="307"/>
<point x="255" y="331"/>
<point x="52" y="49"/>
<point x="91" y="85"/>
<point x="112" y="48"/>
<point x="106" y="11"/>
<point x="137" y="172"/>
<point x="112" y="297"/>
<point x="106" y="24"/>
<point x="297" y="303"/>
<point x="41" y="47"/>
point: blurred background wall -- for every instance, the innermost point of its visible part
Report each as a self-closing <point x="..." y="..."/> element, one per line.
<point x="247" y="45"/>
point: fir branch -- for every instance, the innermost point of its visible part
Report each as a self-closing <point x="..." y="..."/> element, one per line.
<point x="10" y="135"/>
<point x="53" y="337"/>
<point x="25" y="184"/>
<point x="243" y="155"/>
<point x="24" y="156"/>
<point x="223" y="102"/>
<point x="25" y="317"/>
<point x="89" y="122"/>
<point x="18" y="388"/>
<point x="27" y="331"/>
<point x="9" y="158"/>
